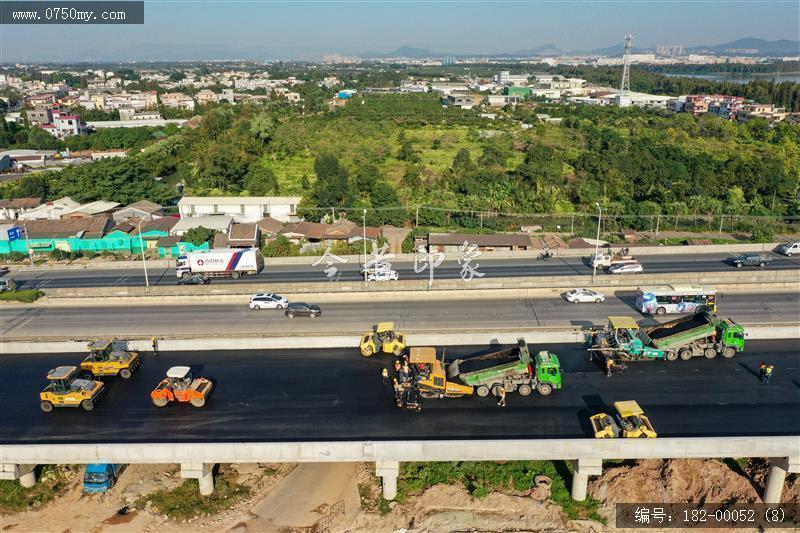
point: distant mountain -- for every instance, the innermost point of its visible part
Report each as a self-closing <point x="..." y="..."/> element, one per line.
<point x="410" y="51"/>
<point x="615" y="50"/>
<point x="759" y="47"/>
<point x="544" y="50"/>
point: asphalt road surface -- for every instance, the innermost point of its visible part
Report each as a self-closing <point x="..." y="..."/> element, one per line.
<point x="336" y="394"/>
<point x="435" y="315"/>
<point x="569" y="266"/>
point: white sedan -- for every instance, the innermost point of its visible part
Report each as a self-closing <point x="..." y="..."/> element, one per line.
<point x="627" y="268"/>
<point x="268" y="300"/>
<point x="577" y="296"/>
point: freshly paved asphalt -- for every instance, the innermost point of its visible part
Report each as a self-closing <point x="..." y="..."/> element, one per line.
<point x="653" y="264"/>
<point x="337" y="394"/>
<point x="435" y="315"/>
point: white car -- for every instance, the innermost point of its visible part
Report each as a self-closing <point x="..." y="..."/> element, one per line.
<point x="577" y="296"/>
<point x="382" y="275"/>
<point x="268" y="300"/>
<point x="790" y="248"/>
<point x="627" y="268"/>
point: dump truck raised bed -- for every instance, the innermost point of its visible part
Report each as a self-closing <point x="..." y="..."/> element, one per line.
<point x="514" y="369"/>
<point x="690" y="336"/>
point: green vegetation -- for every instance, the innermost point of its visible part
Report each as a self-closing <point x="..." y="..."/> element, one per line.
<point x="481" y="478"/>
<point x="199" y="235"/>
<point x="14" y="497"/>
<point x="26" y="296"/>
<point x="185" y="501"/>
<point x="389" y="153"/>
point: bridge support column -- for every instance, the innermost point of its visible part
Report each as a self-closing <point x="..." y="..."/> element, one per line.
<point x="26" y="474"/>
<point x="388" y="472"/>
<point x="581" y="470"/>
<point x="776" y="478"/>
<point x="203" y="473"/>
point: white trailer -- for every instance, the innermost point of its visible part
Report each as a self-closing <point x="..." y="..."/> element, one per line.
<point x="220" y="262"/>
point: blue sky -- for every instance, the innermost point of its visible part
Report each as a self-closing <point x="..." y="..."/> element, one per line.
<point x="295" y="29"/>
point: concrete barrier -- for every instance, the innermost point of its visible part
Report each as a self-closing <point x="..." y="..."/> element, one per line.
<point x="351" y="340"/>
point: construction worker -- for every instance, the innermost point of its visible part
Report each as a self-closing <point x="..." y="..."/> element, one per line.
<point x="761" y="368"/>
<point x="609" y="366"/>
<point x="154" y="343"/>
<point x="385" y="376"/>
<point x="768" y="374"/>
<point x="397" y="400"/>
<point x="501" y="396"/>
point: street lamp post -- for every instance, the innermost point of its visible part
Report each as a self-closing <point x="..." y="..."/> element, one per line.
<point x="364" y="225"/>
<point x="144" y="261"/>
<point x="597" y="240"/>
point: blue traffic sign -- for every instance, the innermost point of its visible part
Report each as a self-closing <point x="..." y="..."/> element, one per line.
<point x="14" y="233"/>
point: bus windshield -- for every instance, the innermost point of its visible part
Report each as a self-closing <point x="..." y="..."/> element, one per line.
<point x="675" y="299"/>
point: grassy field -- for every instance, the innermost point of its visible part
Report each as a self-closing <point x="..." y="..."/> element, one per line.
<point x="185" y="501"/>
<point x="481" y="478"/>
<point x="14" y="497"/>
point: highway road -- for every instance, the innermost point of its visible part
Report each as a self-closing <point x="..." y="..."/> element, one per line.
<point x="434" y="315"/>
<point x="336" y="394"/>
<point x="570" y="266"/>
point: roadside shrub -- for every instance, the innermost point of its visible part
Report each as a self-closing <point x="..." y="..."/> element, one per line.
<point x="26" y="296"/>
<point x="280" y="247"/>
<point x="185" y="500"/>
<point x="15" y="498"/>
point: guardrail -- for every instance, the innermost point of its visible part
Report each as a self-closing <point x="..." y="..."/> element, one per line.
<point x="756" y="278"/>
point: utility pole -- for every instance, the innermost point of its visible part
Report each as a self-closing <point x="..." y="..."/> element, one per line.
<point x="416" y="223"/>
<point x="597" y="241"/>
<point x="366" y="278"/>
<point x="144" y="261"/>
<point x="28" y="243"/>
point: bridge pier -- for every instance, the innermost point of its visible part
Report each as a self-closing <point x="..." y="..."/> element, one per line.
<point x="388" y="472"/>
<point x="26" y="474"/>
<point x="779" y="466"/>
<point x="203" y="473"/>
<point x="581" y="470"/>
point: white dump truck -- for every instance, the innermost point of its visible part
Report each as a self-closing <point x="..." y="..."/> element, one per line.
<point x="607" y="260"/>
<point x="220" y="262"/>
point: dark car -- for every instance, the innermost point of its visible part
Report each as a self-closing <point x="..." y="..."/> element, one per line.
<point x="300" y="309"/>
<point x="749" y="259"/>
<point x="195" y="279"/>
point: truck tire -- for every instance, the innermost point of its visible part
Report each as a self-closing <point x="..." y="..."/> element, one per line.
<point x="728" y="352"/>
<point x="236" y="274"/>
<point x="367" y="351"/>
<point x="185" y="275"/>
<point x="762" y="264"/>
<point x="544" y="389"/>
<point x="661" y="311"/>
<point x="290" y="315"/>
<point x="710" y="353"/>
<point x="738" y="265"/>
<point x="398" y="351"/>
<point x="160" y="402"/>
<point x="198" y="402"/>
<point x="671" y="355"/>
<point x="46" y="406"/>
<point x="685" y="354"/>
<point x="482" y="391"/>
<point x="524" y="390"/>
<point x="87" y="405"/>
<point x="125" y="373"/>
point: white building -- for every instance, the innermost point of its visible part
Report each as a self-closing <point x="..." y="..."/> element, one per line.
<point x="219" y="223"/>
<point x="51" y="210"/>
<point x="242" y="209"/>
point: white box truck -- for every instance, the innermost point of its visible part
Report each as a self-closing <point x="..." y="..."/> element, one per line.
<point x="220" y="262"/>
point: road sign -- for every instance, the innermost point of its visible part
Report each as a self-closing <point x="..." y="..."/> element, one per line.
<point x="14" y="233"/>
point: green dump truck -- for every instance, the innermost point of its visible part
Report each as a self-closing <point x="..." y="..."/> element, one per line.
<point x="690" y="336"/>
<point x="514" y="369"/>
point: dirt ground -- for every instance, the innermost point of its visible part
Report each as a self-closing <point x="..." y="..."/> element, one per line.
<point x="440" y="508"/>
